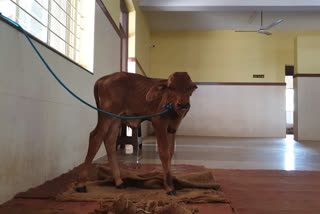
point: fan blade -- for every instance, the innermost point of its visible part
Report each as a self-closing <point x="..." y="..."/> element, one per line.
<point x="272" y="25"/>
<point x="265" y="32"/>
<point x="245" y="31"/>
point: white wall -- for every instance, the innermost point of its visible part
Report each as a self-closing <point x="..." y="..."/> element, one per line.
<point x="44" y="131"/>
<point x="236" y="111"/>
<point x="307" y="108"/>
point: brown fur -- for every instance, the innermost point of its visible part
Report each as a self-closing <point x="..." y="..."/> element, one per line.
<point x="129" y="94"/>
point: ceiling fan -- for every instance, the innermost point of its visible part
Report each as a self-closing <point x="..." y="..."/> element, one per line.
<point x="262" y="29"/>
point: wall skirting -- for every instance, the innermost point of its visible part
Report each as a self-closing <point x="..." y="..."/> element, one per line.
<point x="243" y="83"/>
<point x="306" y="75"/>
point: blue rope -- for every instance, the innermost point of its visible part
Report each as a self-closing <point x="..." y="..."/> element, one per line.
<point x="168" y="108"/>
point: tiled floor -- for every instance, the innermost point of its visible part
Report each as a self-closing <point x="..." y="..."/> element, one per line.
<point x="234" y="153"/>
<point x="249" y="191"/>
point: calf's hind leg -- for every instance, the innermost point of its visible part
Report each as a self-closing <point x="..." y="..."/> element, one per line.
<point x="95" y="141"/>
<point x="110" y="140"/>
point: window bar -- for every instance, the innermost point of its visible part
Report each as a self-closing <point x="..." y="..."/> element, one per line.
<point x="49" y="21"/>
<point x="42" y="5"/>
<point x="74" y="7"/>
<point x="64" y="25"/>
<point x="20" y="8"/>
<point x="59" y="37"/>
<point x="50" y="15"/>
<point x="17" y="11"/>
<point x="57" y="19"/>
<point x="49" y="11"/>
<point x="59" y="6"/>
<point x="75" y="32"/>
<point x="65" y="10"/>
<point x="66" y="35"/>
<point x="75" y="36"/>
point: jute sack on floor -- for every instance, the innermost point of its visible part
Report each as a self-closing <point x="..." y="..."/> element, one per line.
<point x="197" y="187"/>
<point x="124" y="206"/>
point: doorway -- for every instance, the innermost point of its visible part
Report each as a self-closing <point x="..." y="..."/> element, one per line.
<point x="124" y="31"/>
<point x="289" y="70"/>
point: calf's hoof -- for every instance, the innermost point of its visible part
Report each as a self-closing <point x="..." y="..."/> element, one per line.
<point x="82" y="189"/>
<point x="172" y="193"/>
<point x="122" y="186"/>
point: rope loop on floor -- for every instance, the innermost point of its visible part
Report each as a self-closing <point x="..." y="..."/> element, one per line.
<point x="169" y="107"/>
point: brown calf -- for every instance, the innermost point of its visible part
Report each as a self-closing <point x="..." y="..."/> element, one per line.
<point x="129" y="94"/>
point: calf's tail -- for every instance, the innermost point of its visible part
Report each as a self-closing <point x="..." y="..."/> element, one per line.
<point x="96" y="94"/>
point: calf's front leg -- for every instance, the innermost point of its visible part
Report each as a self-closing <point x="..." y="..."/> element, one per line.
<point x="172" y="129"/>
<point x="160" y="128"/>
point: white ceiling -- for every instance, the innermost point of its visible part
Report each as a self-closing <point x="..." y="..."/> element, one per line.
<point x="219" y="5"/>
<point x="169" y="15"/>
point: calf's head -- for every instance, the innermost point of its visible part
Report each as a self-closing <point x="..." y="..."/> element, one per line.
<point x="176" y="90"/>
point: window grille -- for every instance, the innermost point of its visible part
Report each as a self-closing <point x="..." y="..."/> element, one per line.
<point x="55" y="22"/>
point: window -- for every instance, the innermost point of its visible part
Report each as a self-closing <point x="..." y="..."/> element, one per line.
<point x="62" y="24"/>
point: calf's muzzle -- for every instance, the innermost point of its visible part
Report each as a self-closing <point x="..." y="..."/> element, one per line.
<point x="184" y="105"/>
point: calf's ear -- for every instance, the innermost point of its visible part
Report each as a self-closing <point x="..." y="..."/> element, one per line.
<point x="155" y="92"/>
<point x="193" y="87"/>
